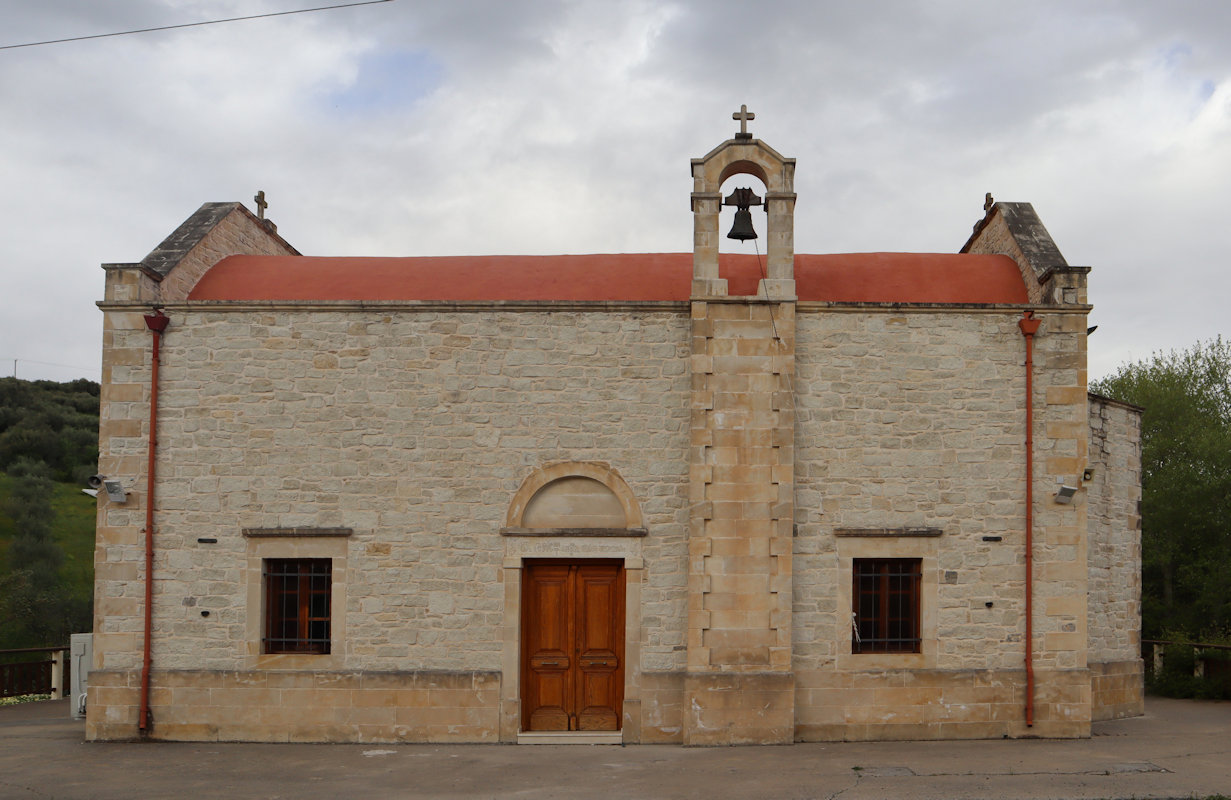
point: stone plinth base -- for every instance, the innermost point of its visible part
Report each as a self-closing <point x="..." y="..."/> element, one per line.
<point x="1117" y="689"/>
<point x="703" y="708"/>
<point x="218" y="705"/>
<point x="662" y="708"/>
<point x="725" y="708"/>
<point x="891" y="705"/>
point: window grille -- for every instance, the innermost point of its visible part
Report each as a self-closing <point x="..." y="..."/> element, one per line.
<point x="297" y="605"/>
<point x="886" y="605"/>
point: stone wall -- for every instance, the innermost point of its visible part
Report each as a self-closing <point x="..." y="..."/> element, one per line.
<point x="407" y="430"/>
<point x="413" y="429"/>
<point x="912" y="422"/>
<point x="1114" y="495"/>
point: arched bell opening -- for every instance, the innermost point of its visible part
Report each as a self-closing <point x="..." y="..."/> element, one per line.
<point x="732" y="228"/>
<point x="743" y="167"/>
<point x="744" y="230"/>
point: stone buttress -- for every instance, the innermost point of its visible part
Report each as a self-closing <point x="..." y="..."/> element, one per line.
<point x="739" y="687"/>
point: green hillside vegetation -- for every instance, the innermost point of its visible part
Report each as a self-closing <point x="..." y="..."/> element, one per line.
<point x="55" y="423"/>
<point x="72" y="529"/>
<point x="48" y="447"/>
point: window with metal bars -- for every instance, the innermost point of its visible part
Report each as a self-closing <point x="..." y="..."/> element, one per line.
<point x="297" y="605"/>
<point x="886" y="605"/>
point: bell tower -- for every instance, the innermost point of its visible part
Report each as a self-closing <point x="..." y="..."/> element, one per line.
<point x="744" y="155"/>
<point x="739" y="685"/>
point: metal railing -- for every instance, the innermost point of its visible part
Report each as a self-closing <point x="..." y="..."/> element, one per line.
<point x="1187" y="669"/>
<point x="44" y="676"/>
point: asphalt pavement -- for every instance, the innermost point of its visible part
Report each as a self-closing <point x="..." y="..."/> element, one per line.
<point x="1179" y="749"/>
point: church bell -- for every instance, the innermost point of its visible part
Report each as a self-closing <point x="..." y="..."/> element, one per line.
<point x="742" y="230"/>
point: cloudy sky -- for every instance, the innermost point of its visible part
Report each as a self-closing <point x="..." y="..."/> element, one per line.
<point x="425" y="127"/>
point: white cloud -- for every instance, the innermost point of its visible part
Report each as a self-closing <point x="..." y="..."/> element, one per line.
<point x="549" y="126"/>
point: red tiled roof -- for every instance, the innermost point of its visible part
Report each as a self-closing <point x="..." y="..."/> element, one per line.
<point x="852" y="277"/>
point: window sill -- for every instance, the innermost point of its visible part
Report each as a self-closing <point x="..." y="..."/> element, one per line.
<point x="858" y="662"/>
<point x="295" y="661"/>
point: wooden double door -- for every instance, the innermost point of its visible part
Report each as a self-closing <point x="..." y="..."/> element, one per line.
<point x="572" y="645"/>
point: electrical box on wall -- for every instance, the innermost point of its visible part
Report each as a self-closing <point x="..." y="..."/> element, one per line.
<point x="80" y="655"/>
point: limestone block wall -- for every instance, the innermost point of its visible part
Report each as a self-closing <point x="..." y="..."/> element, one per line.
<point x="912" y="421"/>
<point x="128" y="283"/>
<point x="119" y="542"/>
<point x="739" y="688"/>
<point x="910" y="443"/>
<point x="411" y="427"/>
<point x="1061" y="445"/>
<point x="1114" y="494"/>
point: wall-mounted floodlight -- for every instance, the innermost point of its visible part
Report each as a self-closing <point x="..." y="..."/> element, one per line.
<point x="1065" y="494"/>
<point x="115" y="490"/>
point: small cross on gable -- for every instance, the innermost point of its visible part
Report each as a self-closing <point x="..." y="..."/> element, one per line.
<point x="261" y="205"/>
<point x="743" y="115"/>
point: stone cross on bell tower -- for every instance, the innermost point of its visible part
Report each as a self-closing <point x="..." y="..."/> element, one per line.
<point x="739" y="687"/>
<point x="743" y="115"/>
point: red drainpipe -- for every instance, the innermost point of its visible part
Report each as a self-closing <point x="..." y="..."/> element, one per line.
<point x="157" y="323"/>
<point x="1029" y="326"/>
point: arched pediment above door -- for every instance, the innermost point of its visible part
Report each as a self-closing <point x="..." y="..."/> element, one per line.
<point x="574" y="496"/>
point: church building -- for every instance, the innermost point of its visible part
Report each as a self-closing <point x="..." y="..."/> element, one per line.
<point x="692" y="498"/>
